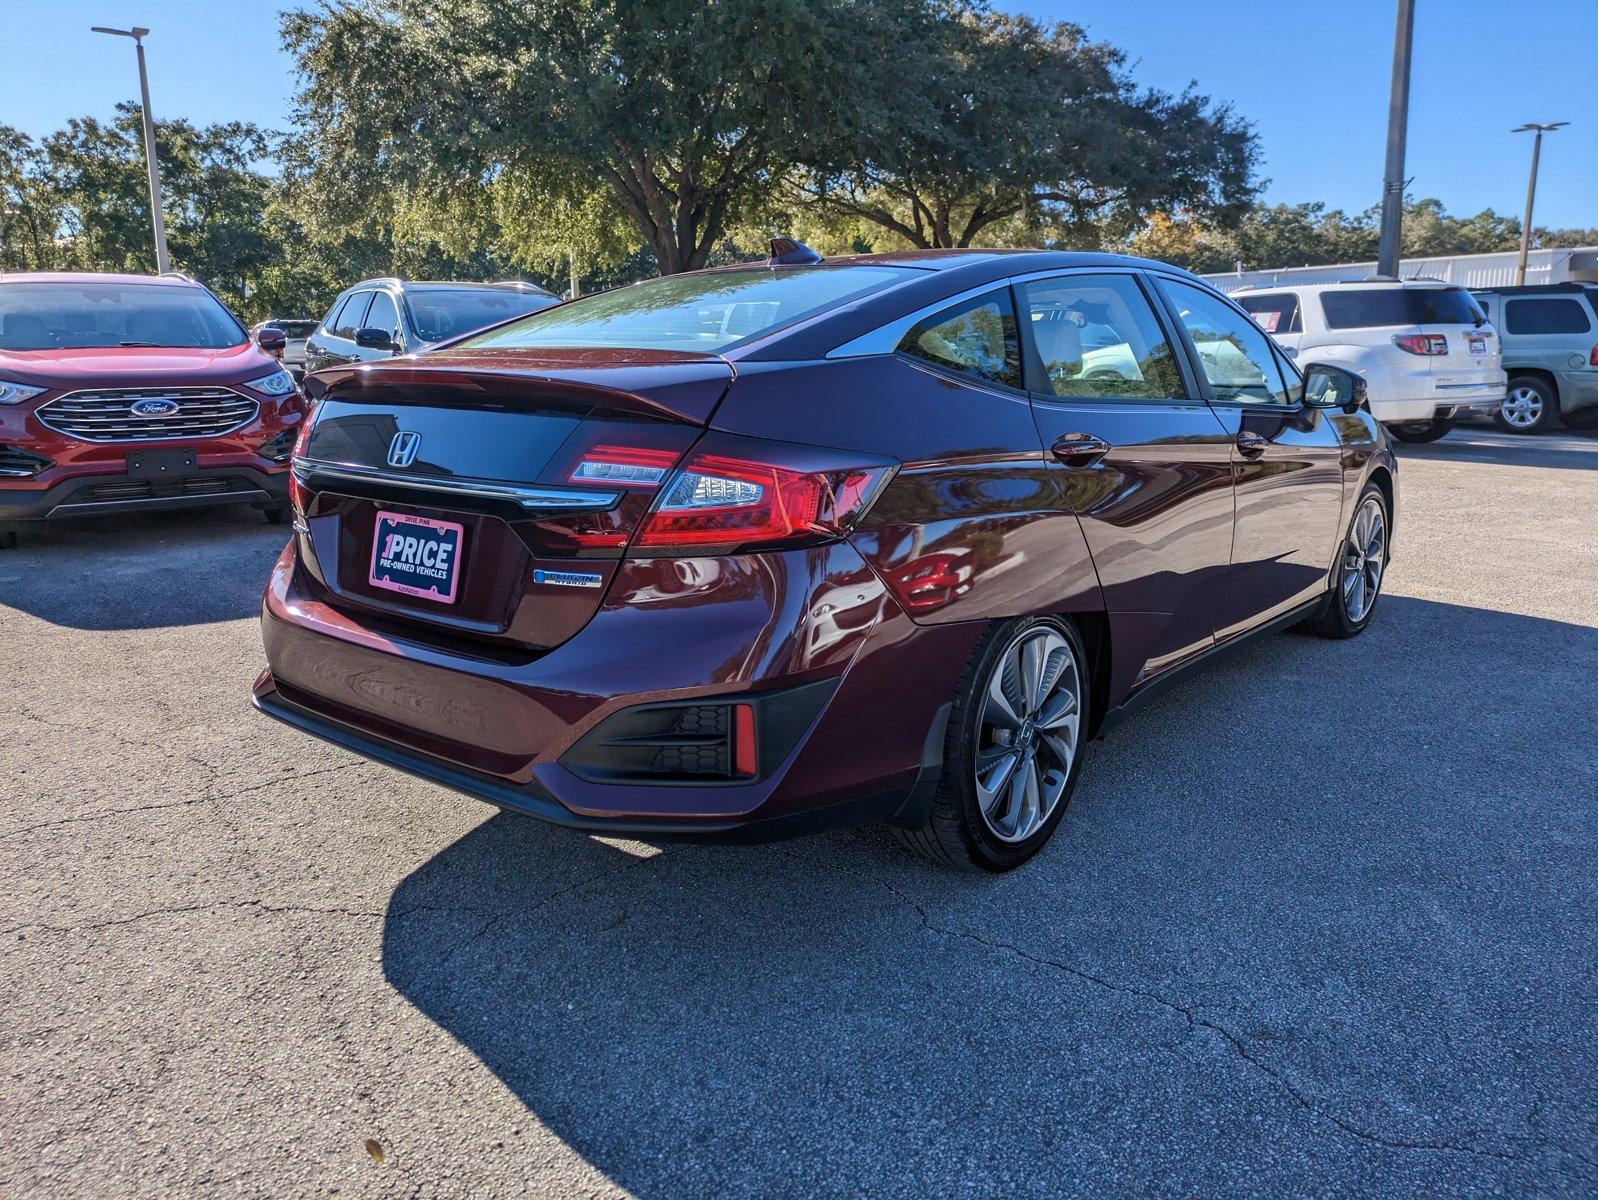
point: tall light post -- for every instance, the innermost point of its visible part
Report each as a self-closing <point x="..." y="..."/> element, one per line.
<point x="1388" y="247"/>
<point x="157" y="218"/>
<point x="1531" y="191"/>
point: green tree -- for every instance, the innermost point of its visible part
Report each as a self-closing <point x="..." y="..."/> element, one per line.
<point x="1002" y="128"/>
<point x="681" y="112"/>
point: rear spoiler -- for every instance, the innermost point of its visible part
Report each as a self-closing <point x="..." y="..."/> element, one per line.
<point x="686" y="389"/>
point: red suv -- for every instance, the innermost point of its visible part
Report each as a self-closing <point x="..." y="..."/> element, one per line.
<point x="126" y="392"/>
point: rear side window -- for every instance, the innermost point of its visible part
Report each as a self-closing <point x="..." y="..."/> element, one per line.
<point x="1097" y="337"/>
<point x="1274" y="314"/>
<point x="1546" y="316"/>
<point x="976" y="338"/>
<point x="1374" y="308"/>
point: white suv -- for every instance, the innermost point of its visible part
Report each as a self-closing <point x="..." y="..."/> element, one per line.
<point x="1425" y="349"/>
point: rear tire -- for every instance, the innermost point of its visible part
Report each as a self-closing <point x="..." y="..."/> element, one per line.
<point x="1529" y="407"/>
<point x="1013" y="749"/>
<point x="8" y="539"/>
<point x="1422" y="431"/>
<point x="1370" y="528"/>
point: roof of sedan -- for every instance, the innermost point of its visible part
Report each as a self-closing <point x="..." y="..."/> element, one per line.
<point x="947" y="260"/>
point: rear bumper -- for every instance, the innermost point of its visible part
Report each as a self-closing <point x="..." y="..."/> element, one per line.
<point x="98" y="494"/>
<point x="500" y="730"/>
<point x="532" y="799"/>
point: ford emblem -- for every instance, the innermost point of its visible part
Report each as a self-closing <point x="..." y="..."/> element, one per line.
<point x="155" y="408"/>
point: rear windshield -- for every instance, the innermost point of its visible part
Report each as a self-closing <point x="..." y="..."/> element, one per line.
<point x="1370" y="308"/>
<point x="294" y="329"/>
<point x="56" y="316"/>
<point x="703" y="312"/>
<point x="438" y="314"/>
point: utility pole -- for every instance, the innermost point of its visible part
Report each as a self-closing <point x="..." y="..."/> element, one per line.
<point x="1531" y="191"/>
<point x="157" y="218"/>
<point x="1397" y="131"/>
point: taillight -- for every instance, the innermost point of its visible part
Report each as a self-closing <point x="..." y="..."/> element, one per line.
<point x="1421" y="343"/>
<point x="1592" y="359"/>
<point x="737" y="494"/>
<point x="625" y="466"/>
<point x="296" y="492"/>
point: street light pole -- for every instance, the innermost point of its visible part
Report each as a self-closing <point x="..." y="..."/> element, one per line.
<point x="1397" y="131"/>
<point x="1531" y="191"/>
<point x="157" y="218"/>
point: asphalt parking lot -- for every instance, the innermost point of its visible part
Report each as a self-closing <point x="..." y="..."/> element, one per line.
<point x="1320" y="923"/>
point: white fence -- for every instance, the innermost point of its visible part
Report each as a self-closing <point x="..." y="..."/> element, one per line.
<point x="1472" y="270"/>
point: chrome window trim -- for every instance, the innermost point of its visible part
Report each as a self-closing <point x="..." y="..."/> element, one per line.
<point x="562" y="499"/>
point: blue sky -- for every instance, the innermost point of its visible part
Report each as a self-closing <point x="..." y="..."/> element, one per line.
<point x="1311" y="74"/>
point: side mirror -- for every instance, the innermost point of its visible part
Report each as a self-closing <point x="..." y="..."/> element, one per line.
<point x="1333" y="387"/>
<point x="374" y="338"/>
<point x="272" y="340"/>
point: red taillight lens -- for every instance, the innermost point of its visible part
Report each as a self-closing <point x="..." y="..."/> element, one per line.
<point x="1431" y="344"/>
<point x="734" y="501"/>
<point x="297" y="493"/>
<point x="745" y="758"/>
<point x="1592" y="359"/>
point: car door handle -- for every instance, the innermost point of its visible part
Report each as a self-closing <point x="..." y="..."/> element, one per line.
<point x="1079" y="449"/>
<point x="1251" y="445"/>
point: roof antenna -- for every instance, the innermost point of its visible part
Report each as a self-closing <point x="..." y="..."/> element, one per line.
<point x="785" y="252"/>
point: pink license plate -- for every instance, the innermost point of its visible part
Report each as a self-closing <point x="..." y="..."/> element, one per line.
<point x="417" y="556"/>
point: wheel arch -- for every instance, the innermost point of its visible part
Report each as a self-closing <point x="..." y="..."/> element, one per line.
<point x="1382" y="477"/>
<point x="1093" y="627"/>
<point x="1541" y="374"/>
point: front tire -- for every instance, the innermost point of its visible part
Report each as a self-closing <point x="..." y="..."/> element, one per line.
<point x="1361" y="569"/>
<point x="1013" y="750"/>
<point x="1422" y="431"/>
<point x="1529" y="407"/>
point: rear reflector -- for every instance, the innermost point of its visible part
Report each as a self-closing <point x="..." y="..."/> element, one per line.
<point x="744" y="758"/>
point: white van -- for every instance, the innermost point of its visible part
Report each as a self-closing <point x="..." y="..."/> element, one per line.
<point x="1426" y="350"/>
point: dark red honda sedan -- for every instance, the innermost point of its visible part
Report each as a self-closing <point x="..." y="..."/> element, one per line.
<point x="766" y="548"/>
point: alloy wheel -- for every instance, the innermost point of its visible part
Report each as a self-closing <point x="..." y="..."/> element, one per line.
<point x="1030" y="727"/>
<point x="1364" y="559"/>
<point x="1522" y="407"/>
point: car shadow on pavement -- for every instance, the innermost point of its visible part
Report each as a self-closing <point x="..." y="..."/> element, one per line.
<point x="1574" y="451"/>
<point x="125" y="572"/>
<point x="1312" y="923"/>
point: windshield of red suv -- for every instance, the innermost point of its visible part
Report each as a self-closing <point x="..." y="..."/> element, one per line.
<point x="1371" y="308"/>
<point x="704" y="312"/>
<point x="60" y="316"/>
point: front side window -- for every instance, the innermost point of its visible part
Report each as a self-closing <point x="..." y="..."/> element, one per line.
<point x="1545" y="316"/>
<point x="1276" y="313"/>
<point x="1097" y="337"/>
<point x="976" y="337"/>
<point x="1234" y="353"/>
<point x="351" y="316"/>
<point x="56" y="316"/>
<point x="704" y="313"/>
<point x="382" y="315"/>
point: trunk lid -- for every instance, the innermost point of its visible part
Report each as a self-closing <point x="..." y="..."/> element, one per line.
<point x="442" y="494"/>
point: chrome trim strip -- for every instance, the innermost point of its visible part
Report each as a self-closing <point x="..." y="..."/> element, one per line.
<point x="566" y="499"/>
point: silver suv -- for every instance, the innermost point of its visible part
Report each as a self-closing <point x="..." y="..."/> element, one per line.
<point x="1549" y="335"/>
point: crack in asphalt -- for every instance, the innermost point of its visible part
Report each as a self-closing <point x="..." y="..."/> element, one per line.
<point x="213" y="905"/>
<point x="110" y="813"/>
<point x="1237" y="1044"/>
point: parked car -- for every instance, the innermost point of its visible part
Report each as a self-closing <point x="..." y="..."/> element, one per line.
<point x="1549" y="334"/>
<point x="759" y="549"/>
<point x="295" y="331"/>
<point x="379" y="318"/>
<point x="127" y="392"/>
<point x="1426" y="351"/>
